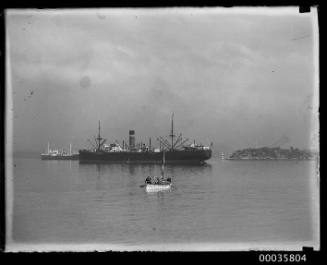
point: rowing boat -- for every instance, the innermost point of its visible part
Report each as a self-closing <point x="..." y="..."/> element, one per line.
<point x="157" y="187"/>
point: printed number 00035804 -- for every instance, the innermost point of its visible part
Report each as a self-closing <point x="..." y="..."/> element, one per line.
<point x="282" y="258"/>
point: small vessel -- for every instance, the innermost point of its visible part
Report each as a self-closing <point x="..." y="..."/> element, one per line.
<point x="157" y="187"/>
<point x="56" y="154"/>
<point x="158" y="184"/>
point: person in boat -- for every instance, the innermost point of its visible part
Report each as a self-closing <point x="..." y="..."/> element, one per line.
<point x="148" y="180"/>
<point x="156" y="180"/>
<point x="161" y="179"/>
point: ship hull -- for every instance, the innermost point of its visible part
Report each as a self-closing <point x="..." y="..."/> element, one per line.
<point x="156" y="188"/>
<point x="176" y="156"/>
<point x="59" y="157"/>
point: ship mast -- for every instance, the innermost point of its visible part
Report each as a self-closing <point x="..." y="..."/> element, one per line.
<point x="174" y="144"/>
<point x="99" y="138"/>
<point x="163" y="164"/>
<point x="172" y="132"/>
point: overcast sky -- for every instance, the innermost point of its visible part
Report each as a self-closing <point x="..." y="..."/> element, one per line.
<point x="233" y="78"/>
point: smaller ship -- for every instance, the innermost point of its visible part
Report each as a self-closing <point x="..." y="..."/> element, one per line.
<point x="154" y="184"/>
<point x="56" y="154"/>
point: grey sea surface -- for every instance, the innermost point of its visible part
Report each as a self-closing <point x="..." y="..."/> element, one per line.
<point x="224" y="202"/>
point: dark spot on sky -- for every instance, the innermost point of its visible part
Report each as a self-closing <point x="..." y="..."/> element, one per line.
<point x="85" y="82"/>
<point x="32" y="92"/>
<point x="100" y="16"/>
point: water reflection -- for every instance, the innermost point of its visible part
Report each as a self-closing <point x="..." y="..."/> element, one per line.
<point x="127" y="180"/>
<point x="98" y="178"/>
<point x="145" y="169"/>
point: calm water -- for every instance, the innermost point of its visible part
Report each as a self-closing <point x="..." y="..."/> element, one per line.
<point x="222" y="202"/>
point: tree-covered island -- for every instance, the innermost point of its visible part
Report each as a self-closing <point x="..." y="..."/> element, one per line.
<point x="272" y="153"/>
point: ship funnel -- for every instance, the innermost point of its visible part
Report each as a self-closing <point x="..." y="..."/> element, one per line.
<point x="131" y="139"/>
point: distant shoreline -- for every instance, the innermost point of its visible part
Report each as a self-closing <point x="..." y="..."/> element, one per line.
<point x="26" y="154"/>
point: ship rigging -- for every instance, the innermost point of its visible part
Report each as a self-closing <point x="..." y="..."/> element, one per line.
<point x="172" y="145"/>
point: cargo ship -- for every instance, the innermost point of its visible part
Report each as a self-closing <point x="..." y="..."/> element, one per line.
<point x="175" y="150"/>
<point x="56" y="154"/>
